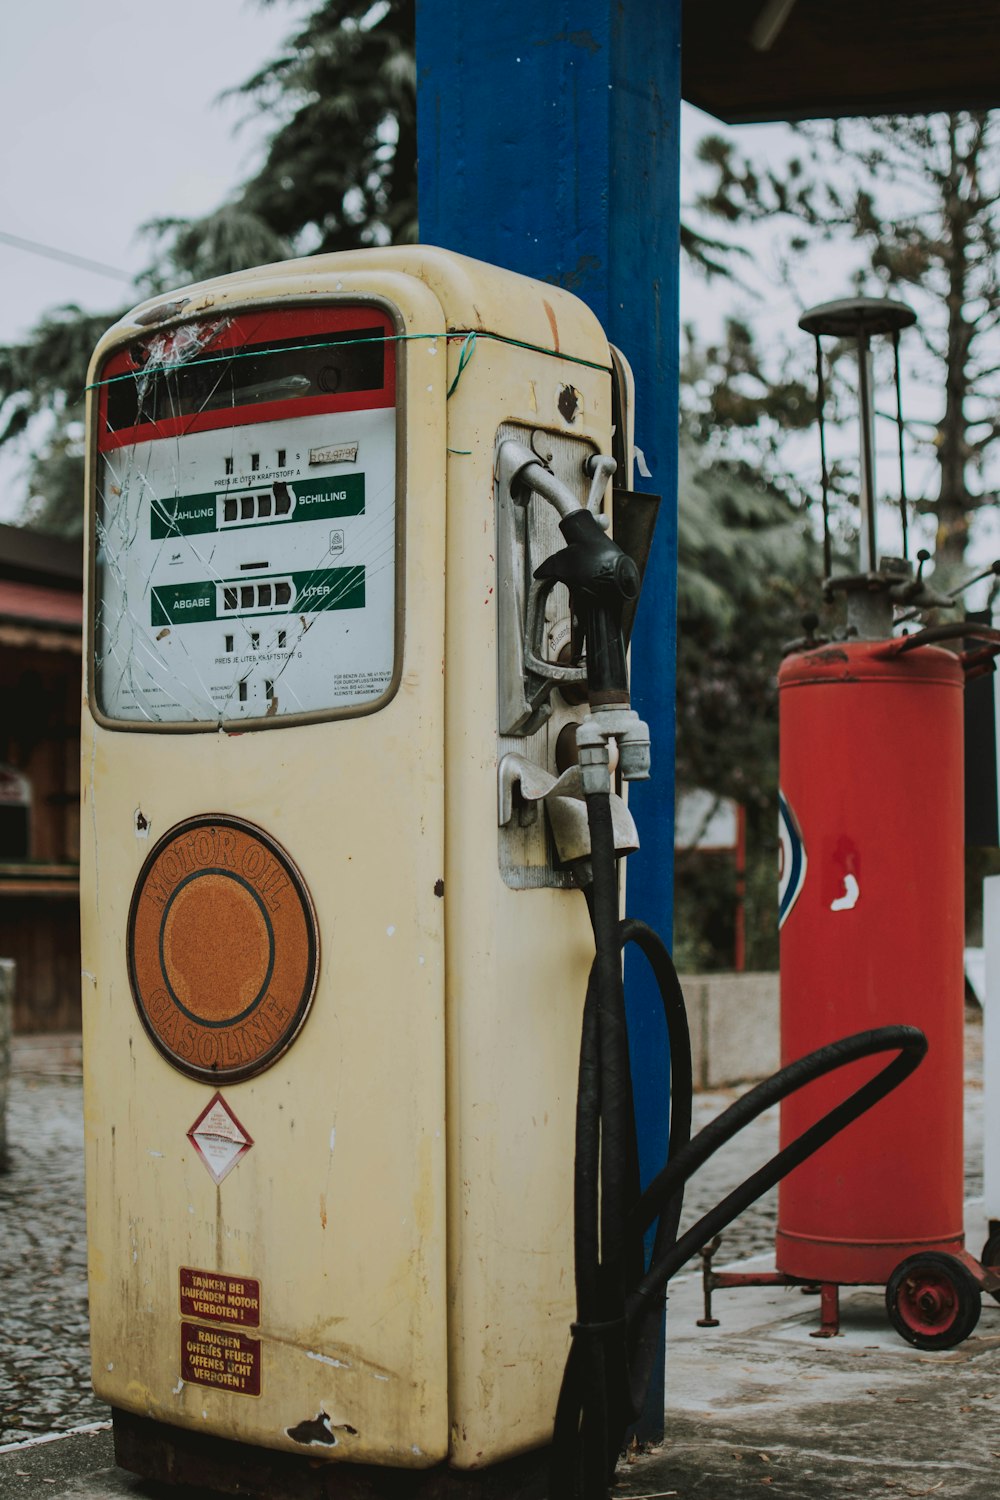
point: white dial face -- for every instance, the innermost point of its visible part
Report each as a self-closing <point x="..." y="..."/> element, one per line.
<point x="248" y="570"/>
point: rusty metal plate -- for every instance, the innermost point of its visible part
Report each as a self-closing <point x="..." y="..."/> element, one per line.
<point x="220" y="1357"/>
<point x="217" y="1298"/>
<point x="223" y="948"/>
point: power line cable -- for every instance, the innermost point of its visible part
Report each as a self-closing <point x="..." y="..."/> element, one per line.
<point x="34" y="247"/>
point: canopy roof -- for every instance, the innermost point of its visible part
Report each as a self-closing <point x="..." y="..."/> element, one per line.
<point x="746" y="60"/>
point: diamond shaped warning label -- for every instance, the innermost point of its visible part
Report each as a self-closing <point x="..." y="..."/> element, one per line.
<point x="219" y="1138"/>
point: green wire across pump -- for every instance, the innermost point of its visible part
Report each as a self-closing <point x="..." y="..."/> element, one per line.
<point x="469" y="337"/>
<point x="468" y="349"/>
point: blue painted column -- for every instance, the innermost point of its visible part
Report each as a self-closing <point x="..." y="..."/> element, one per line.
<point x="548" y="143"/>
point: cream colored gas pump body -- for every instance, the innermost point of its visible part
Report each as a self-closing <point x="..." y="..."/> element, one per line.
<point x="333" y="1218"/>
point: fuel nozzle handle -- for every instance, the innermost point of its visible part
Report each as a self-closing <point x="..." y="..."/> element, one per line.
<point x="600" y="577"/>
<point x="602" y="580"/>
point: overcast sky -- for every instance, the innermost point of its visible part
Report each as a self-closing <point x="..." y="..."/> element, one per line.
<point x="108" y="119"/>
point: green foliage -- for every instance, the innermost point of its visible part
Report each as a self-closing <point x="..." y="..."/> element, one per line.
<point x="341" y="165"/>
<point x="42" y="396"/>
<point x="56" y="482"/>
<point x="230" y="239"/>
<point x="48" y="373"/>
<point x="738" y="406"/>
<point x="712" y="257"/>
<point x="748" y="565"/>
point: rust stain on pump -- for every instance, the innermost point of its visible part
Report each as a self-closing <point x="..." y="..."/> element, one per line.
<point x="552" y="323"/>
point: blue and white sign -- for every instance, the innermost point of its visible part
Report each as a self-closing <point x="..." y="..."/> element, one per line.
<point x="792" y="862"/>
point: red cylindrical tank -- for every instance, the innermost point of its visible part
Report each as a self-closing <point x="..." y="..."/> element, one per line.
<point x="872" y="914"/>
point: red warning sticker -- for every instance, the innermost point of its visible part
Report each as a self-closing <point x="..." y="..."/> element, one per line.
<point x="220" y="1298"/>
<point x="220" y="1357"/>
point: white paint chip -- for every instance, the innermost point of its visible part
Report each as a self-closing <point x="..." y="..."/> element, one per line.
<point x="849" y="899"/>
<point x="333" y="1139"/>
<point x="390" y="931"/>
<point x="328" y="1359"/>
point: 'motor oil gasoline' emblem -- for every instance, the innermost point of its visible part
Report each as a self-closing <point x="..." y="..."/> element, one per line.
<point x="222" y="948"/>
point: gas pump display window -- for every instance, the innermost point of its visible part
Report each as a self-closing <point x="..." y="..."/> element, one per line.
<point x="246" y="554"/>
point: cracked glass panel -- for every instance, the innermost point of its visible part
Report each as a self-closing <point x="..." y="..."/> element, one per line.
<point x="246" y="518"/>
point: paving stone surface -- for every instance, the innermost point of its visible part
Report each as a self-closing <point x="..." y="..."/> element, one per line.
<point x="44" y="1350"/>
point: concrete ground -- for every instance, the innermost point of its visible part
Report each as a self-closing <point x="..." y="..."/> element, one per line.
<point x="758" y="1402"/>
<point x="753" y="1406"/>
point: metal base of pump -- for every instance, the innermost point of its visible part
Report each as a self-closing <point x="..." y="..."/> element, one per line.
<point x="203" y="1463"/>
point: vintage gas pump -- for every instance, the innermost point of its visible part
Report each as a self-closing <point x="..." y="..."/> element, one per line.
<point x="332" y="1048"/>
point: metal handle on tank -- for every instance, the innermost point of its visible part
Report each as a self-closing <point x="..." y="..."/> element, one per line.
<point x="974" y="663"/>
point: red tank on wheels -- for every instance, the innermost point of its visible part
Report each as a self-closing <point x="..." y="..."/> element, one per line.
<point x="873" y="934"/>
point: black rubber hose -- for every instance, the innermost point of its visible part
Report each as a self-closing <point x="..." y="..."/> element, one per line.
<point x="607" y="1369"/>
<point x="911" y="1045"/>
<point x="619" y="1301"/>
<point x="595" y="1394"/>
<point x="645" y="1331"/>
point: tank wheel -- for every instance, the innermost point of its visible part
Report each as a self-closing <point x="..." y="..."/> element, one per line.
<point x="991" y="1256"/>
<point x="932" y="1300"/>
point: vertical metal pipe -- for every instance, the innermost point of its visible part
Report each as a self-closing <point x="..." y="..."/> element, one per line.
<point x="866" y="488"/>
<point x="740" y="942"/>
<point x="825" y="473"/>
<point x="900" y="433"/>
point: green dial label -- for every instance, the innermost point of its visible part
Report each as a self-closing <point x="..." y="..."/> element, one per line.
<point x="278" y="504"/>
<point x="314" y="591"/>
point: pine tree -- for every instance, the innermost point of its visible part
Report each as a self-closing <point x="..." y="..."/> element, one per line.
<point x="341" y="168"/>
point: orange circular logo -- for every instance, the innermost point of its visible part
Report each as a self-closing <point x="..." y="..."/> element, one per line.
<point x="223" y="949"/>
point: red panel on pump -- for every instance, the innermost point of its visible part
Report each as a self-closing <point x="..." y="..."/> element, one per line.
<point x="872" y="934"/>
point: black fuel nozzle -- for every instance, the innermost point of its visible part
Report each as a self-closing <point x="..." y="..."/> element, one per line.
<point x="602" y="580"/>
